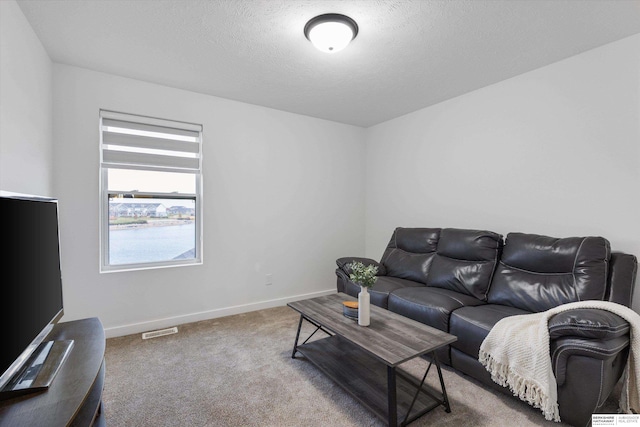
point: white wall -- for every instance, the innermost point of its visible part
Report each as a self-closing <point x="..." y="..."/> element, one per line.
<point x="283" y="194"/>
<point x="555" y="151"/>
<point x="25" y="106"/>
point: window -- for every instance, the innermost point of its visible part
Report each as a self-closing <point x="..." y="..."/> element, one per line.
<point x="150" y="195"/>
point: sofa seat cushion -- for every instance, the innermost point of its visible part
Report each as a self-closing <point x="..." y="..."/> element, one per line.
<point x="431" y="306"/>
<point x="472" y="325"/>
<point x="379" y="292"/>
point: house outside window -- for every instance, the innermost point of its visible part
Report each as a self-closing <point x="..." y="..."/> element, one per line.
<point x="150" y="192"/>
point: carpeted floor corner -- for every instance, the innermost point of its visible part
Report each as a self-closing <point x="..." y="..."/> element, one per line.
<point x="238" y="371"/>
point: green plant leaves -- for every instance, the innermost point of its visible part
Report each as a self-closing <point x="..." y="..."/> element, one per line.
<point x="363" y="275"/>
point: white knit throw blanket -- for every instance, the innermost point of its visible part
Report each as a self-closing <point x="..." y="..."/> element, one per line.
<point x="516" y="353"/>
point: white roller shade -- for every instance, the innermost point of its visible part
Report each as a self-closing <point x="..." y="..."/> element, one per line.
<point x="137" y="141"/>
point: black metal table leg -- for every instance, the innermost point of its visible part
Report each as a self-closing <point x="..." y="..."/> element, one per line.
<point x="415" y="397"/>
<point x="391" y="395"/>
<point x="445" y="399"/>
<point x="295" y="344"/>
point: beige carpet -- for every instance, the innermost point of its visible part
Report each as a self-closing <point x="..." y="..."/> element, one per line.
<point x="238" y="371"/>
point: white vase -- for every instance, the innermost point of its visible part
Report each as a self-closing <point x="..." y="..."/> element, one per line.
<point x="364" y="311"/>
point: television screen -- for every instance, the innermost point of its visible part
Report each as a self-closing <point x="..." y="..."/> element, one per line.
<point x="31" y="279"/>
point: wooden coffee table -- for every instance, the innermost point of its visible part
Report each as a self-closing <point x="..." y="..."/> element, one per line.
<point x="364" y="360"/>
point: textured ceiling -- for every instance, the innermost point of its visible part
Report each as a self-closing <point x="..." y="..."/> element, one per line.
<point x="407" y="55"/>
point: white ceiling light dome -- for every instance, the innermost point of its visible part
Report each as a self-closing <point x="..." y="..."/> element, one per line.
<point x="331" y="32"/>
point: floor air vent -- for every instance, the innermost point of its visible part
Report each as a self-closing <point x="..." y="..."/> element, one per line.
<point x="159" y="333"/>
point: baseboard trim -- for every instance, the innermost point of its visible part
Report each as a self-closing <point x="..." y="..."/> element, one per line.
<point x="137" y="328"/>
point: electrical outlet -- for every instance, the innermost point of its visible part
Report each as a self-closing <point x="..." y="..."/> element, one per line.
<point x="268" y="279"/>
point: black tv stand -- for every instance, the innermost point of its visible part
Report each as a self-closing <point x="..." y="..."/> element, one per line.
<point x="74" y="396"/>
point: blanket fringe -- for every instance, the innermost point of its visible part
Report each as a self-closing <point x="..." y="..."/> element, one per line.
<point x="520" y="387"/>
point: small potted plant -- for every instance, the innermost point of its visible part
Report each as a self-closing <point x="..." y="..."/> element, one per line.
<point x="365" y="276"/>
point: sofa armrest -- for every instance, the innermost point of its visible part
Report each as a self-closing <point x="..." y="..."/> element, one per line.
<point x="588" y="323"/>
<point x="563" y="348"/>
<point x="343" y="262"/>
<point x="588" y="332"/>
<point x="622" y="277"/>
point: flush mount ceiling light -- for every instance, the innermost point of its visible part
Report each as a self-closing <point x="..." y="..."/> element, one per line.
<point x="331" y="32"/>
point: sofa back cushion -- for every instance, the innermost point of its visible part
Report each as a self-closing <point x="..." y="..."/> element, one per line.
<point x="410" y="252"/>
<point x="465" y="261"/>
<point x="537" y="273"/>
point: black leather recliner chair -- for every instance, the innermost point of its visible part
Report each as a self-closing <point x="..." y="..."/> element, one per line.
<point x="464" y="281"/>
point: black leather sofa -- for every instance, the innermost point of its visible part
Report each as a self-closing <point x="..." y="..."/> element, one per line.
<point x="464" y="281"/>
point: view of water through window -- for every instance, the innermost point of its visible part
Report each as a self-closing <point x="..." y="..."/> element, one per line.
<point x="152" y="230"/>
<point x="152" y="244"/>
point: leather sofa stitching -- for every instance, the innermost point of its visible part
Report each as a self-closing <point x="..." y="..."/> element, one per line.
<point x="633" y="274"/>
<point x="601" y="382"/>
<point x="573" y="270"/>
<point x="493" y="272"/>
<point x="590" y="348"/>
<point x="586" y="328"/>
<point x="484" y="261"/>
<point x="594" y="327"/>
<point x="422" y="304"/>
<point x="580" y="330"/>
<point x="587" y="348"/>
<point x="606" y="271"/>
<point x="534" y="272"/>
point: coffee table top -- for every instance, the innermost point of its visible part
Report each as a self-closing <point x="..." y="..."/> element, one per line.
<point x="390" y="337"/>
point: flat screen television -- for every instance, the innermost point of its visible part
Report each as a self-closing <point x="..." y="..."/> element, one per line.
<point x="31" y="292"/>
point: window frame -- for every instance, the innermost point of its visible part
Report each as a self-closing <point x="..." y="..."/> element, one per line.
<point x="105" y="192"/>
